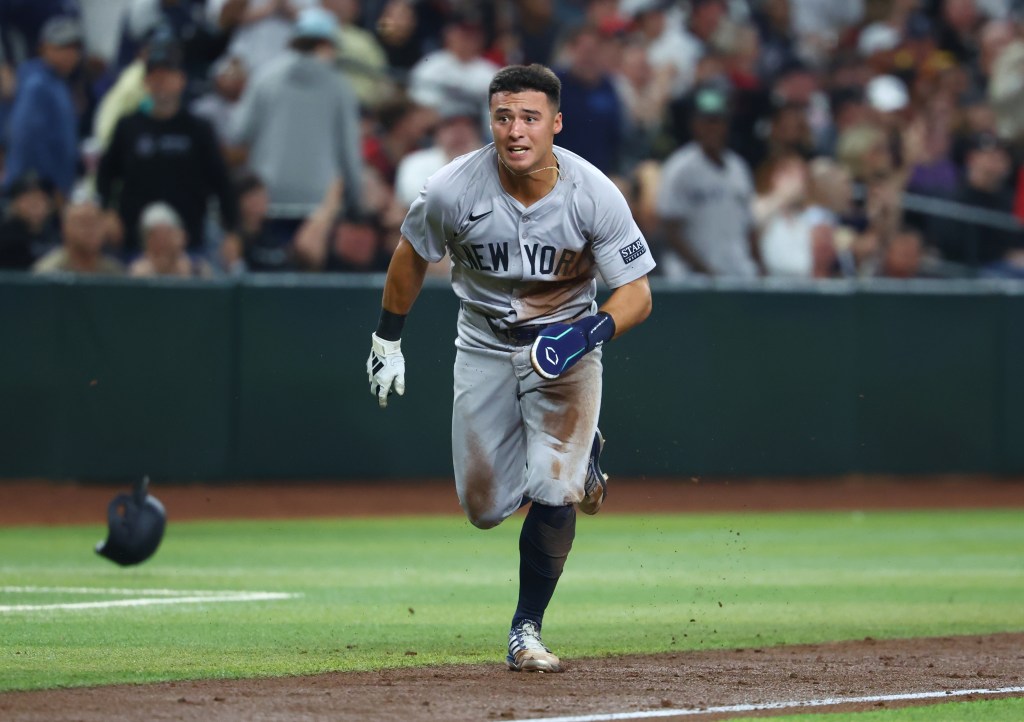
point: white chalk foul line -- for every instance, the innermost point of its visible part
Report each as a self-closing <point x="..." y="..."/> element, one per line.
<point x="149" y="597"/>
<point x="112" y="590"/>
<point x="792" y="704"/>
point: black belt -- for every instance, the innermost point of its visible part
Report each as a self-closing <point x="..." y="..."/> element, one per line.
<point x="525" y="335"/>
<point x="517" y="335"/>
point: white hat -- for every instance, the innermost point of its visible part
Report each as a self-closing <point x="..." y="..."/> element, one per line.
<point x="159" y="214"/>
<point x="887" y="93"/>
<point x="877" y="37"/>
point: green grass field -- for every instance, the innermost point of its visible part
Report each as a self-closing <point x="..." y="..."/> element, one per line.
<point x="370" y="591"/>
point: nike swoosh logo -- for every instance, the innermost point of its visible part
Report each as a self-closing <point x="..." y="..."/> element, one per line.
<point x="477" y="218"/>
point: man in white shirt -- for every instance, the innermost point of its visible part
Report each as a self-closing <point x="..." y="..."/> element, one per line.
<point x="705" y="199"/>
<point x="458" y="133"/>
<point x="264" y="31"/>
<point x="457" y="72"/>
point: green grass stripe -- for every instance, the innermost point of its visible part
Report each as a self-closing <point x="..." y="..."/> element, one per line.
<point x="374" y="590"/>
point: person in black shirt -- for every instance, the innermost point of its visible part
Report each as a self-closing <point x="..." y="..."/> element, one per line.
<point x="28" y="226"/>
<point x="257" y="248"/>
<point x="993" y="250"/>
<point x="164" y="153"/>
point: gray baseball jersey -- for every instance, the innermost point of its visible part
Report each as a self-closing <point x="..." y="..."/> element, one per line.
<point x="521" y="265"/>
<point x="516" y="435"/>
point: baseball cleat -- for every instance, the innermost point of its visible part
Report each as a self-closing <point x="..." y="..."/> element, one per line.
<point x="595" y="488"/>
<point x="526" y="651"/>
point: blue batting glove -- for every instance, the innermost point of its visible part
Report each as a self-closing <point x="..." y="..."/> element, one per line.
<point x="559" y="346"/>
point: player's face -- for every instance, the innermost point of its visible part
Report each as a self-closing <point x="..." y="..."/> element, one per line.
<point x="524" y="127"/>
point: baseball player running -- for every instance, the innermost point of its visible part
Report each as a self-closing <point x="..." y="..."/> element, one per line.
<point x="527" y="226"/>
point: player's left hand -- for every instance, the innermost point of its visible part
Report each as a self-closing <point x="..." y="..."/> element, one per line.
<point x="559" y="346"/>
<point x="385" y="369"/>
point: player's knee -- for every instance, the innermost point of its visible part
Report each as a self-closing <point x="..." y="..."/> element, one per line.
<point x="483" y="518"/>
<point x="483" y="505"/>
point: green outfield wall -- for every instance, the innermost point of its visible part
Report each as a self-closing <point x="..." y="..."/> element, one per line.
<point x="263" y="377"/>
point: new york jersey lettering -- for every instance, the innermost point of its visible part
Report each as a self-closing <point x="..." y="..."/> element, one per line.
<point x="484" y="256"/>
<point x="546" y="260"/>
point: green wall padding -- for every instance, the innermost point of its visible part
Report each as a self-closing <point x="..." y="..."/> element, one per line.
<point x="263" y="377"/>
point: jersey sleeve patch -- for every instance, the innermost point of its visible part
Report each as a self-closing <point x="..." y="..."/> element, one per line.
<point x="633" y="251"/>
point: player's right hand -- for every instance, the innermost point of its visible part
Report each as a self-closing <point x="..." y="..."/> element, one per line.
<point x="385" y="368"/>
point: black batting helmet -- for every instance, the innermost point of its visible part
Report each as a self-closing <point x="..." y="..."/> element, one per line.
<point x="136" y="522"/>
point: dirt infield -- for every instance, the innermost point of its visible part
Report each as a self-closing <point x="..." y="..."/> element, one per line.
<point x="42" y="502"/>
<point x="682" y="681"/>
<point x="685" y="681"/>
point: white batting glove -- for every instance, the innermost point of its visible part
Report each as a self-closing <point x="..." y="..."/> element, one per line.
<point x="385" y="369"/>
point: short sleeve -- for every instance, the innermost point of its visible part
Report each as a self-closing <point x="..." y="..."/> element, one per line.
<point x="620" y="249"/>
<point x="424" y="225"/>
<point x="671" y="203"/>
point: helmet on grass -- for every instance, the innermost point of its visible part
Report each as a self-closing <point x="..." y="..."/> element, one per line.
<point x="136" y="522"/>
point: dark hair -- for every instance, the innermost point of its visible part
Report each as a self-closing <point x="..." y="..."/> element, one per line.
<point x="517" y="78"/>
<point x="393" y="111"/>
<point x="307" y="45"/>
<point x="248" y="182"/>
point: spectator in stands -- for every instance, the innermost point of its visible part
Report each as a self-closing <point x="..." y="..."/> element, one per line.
<point x="877" y="45"/>
<point x="672" y="58"/>
<point x="847" y="109"/>
<point x="995" y="250"/>
<point x="1006" y="88"/>
<point x="339" y="239"/>
<point x="220" y="104"/>
<point x="82" y="235"/>
<point x="706" y="194"/>
<point x="299" y="123"/>
<point x="22" y="23"/>
<point x="957" y="31"/>
<point x="537" y="30"/>
<point x="904" y="255"/>
<point x="263" y="31"/>
<point x="793" y="111"/>
<point x="820" y="24"/>
<point x="28" y="230"/>
<point x="164" y="240"/>
<point x="705" y="19"/>
<point x="129" y="90"/>
<point x="42" y="127"/>
<point x="994" y="37"/>
<point x="589" y="96"/>
<point x="779" y="44"/>
<point x="830" y="210"/>
<point x="865" y="152"/>
<point x="457" y="72"/>
<point x="791" y="242"/>
<point x="254" y="247"/>
<point x="457" y="133"/>
<point x="402" y="127"/>
<point x="355" y="245"/>
<point x="786" y="132"/>
<point x="361" y="59"/>
<point x="882" y="163"/>
<point x="162" y="152"/>
<point x="936" y="174"/>
<point x="975" y="115"/>
<point x="644" y="98"/>
<point x="399" y="35"/>
<point x="202" y="41"/>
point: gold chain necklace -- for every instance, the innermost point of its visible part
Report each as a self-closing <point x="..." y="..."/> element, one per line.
<point x="531" y="172"/>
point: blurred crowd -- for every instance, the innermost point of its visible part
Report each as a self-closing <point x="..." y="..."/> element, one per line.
<point x="795" y="138"/>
